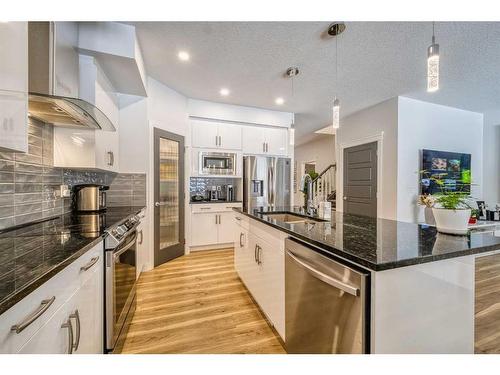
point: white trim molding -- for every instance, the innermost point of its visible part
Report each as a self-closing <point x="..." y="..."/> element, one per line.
<point x="379" y="138"/>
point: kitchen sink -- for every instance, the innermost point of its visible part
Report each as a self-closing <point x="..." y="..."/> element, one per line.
<point x="291" y="218"/>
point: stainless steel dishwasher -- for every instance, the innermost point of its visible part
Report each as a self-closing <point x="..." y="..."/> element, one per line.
<point x="325" y="303"/>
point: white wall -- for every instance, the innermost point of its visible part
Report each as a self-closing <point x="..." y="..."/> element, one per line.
<point x="379" y="121"/>
<point x="423" y="125"/>
<point x="134" y="156"/>
<point x="491" y="158"/>
<point x="321" y="150"/>
<point x="237" y="113"/>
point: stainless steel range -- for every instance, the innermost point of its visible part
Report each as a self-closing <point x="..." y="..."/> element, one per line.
<point x="120" y="284"/>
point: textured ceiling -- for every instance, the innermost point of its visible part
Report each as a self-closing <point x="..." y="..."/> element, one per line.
<point x="377" y="61"/>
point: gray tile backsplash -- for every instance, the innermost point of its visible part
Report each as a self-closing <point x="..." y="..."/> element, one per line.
<point x="127" y="189"/>
<point x="30" y="184"/>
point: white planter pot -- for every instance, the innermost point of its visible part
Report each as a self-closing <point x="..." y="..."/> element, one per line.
<point x="452" y="221"/>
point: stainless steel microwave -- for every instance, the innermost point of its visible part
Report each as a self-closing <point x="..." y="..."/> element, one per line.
<point x="217" y="163"/>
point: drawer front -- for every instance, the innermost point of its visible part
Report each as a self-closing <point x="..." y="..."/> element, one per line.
<point x="215" y="207"/>
<point x="61" y="286"/>
<point x="241" y="220"/>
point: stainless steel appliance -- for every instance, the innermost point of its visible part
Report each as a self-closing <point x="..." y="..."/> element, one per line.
<point x="54" y="78"/>
<point x="326" y="303"/>
<point x="89" y="197"/>
<point x="266" y="182"/>
<point x="229" y="193"/>
<point x="217" y="163"/>
<point x="120" y="283"/>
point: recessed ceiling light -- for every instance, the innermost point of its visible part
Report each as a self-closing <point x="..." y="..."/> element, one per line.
<point x="279" y="101"/>
<point x="224" y="92"/>
<point x="183" y="56"/>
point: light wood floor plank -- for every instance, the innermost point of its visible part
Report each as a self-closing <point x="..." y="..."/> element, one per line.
<point x="197" y="304"/>
<point x="487" y="305"/>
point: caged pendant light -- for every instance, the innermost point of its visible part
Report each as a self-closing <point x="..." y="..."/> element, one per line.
<point x="433" y="64"/>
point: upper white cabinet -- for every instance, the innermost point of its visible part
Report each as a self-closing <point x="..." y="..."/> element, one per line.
<point x="265" y="141"/>
<point x="208" y="134"/>
<point x="94" y="149"/>
<point x="14" y="86"/>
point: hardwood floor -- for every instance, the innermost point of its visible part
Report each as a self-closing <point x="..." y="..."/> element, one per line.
<point x="487" y="305"/>
<point x="197" y="304"/>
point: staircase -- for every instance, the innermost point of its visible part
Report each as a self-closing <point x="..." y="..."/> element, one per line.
<point x="324" y="186"/>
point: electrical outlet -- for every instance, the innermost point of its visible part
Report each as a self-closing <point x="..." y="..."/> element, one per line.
<point x="65" y="191"/>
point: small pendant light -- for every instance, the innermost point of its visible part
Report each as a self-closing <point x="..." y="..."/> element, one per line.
<point x="335" y="30"/>
<point x="291" y="73"/>
<point x="433" y="64"/>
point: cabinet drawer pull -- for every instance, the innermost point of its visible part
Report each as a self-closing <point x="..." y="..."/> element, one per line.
<point x="142" y="237"/>
<point x="76" y="316"/>
<point x="205" y="208"/>
<point x="238" y="218"/>
<point x="259" y="261"/>
<point x="69" y="326"/>
<point x="89" y="264"/>
<point x="44" y="305"/>
<point x="241" y="237"/>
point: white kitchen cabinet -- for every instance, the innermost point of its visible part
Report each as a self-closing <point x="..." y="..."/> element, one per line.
<point x="82" y="314"/>
<point x="14" y="86"/>
<point x="14" y="56"/>
<point x="265" y="141"/>
<point x="204" y="229"/>
<point x="226" y="227"/>
<point x="72" y="288"/>
<point x="260" y="264"/>
<point x="13" y="121"/>
<point x="212" y="224"/>
<point x="208" y="134"/>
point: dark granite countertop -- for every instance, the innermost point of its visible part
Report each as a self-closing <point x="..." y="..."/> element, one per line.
<point x="32" y="254"/>
<point x="380" y="244"/>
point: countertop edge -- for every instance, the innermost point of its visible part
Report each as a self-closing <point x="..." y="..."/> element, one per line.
<point x="366" y="264"/>
<point x="17" y="296"/>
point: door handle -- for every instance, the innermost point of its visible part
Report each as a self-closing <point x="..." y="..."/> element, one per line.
<point x="345" y="198"/>
<point x="70" y="335"/>
<point x="324" y="277"/>
<point x="255" y="253"/>
<point x="76" y="316"/>
<point x="158" y="204"/>
<point x="142" y="237"/>
<point x="263" y="147"/>
<point x="89" y="264"/>
<point x="259" y="261"/>
<point x="44" y="306"/>
<point x="241" y="236"/>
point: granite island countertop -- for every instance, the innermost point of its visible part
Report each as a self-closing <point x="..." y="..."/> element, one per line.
<point x="32" y="254"/>
<point x="380" y="244"/>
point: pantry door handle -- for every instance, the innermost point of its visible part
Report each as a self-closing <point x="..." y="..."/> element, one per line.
<point x="44" y="306"/>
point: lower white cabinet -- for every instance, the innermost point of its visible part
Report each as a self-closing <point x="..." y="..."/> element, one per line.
<point x="260" y="263"/>
<point x="212" y="224"/>
<point x="70" y="307"/>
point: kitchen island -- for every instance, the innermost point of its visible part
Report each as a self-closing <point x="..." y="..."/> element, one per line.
<point x="421" y="282"/>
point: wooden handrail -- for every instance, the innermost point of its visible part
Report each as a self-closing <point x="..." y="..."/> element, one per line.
<point x="324" y="171"/>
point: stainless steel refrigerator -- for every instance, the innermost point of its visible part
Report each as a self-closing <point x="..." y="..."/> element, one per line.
<point x="266" y="182"/>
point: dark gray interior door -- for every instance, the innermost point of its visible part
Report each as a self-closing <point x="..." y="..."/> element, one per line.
<point x="360" y="180"/>
<point x="168" y="196"/>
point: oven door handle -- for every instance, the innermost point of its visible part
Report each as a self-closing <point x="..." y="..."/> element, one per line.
<point x="128" y="246"/>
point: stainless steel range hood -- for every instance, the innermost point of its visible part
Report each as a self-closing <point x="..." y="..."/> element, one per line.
<point x="43" y="103"/>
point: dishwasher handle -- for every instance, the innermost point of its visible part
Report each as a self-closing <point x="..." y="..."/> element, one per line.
<point x="324" y="277"/>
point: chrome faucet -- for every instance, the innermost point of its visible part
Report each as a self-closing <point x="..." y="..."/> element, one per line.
<point x="307" y="183"/>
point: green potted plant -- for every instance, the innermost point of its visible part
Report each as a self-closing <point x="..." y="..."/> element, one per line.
<point x="452" y="212"/>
